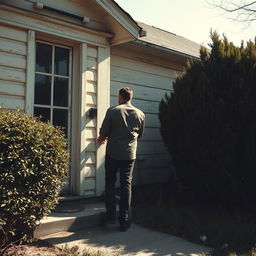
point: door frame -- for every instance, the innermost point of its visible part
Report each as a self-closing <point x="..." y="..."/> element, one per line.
<point x="74" y="118"/>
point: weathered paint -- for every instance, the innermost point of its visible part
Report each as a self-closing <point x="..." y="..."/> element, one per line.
<point x="13" y="61"/>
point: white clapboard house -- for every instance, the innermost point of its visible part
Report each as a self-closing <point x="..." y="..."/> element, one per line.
<point x="66" y="60"/>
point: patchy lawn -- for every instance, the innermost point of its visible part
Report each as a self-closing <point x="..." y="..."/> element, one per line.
<point x="42" y="248"/>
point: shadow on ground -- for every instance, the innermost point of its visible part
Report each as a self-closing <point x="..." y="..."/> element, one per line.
<point x="136" y="241"/>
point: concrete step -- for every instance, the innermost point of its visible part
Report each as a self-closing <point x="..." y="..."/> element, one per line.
<point x="70" y="216"/>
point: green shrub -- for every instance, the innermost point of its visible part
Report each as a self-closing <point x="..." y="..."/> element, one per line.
<point x="33" y="167"/>
<point x="208" y="123"/>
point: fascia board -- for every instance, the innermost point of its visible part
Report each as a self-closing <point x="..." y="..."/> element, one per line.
<point x="117" y="13"/>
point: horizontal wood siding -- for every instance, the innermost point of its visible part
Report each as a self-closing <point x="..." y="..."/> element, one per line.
<point x="89" y="171"/>
<point x="150" y="83"/>
<point x="13" y="66"/>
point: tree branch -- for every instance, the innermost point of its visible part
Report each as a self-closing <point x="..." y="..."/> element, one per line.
<point x="245" y="12"/>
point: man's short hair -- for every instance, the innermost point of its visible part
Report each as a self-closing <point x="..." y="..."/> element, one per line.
<point x="126" y="93"/>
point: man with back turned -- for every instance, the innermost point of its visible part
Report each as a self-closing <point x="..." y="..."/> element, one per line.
<point x="121" y="127"/>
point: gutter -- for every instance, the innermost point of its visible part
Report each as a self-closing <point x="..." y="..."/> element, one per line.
<point x="163" y="49"/>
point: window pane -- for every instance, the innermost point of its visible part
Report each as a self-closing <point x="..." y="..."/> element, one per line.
<point x="43" y="113"/>
<point x="43" y="58"/>
<point x="42" y="90"/>
<point x="60" y="118"/>
<point x="60" y="94"/>
<point x="61" y="61"/>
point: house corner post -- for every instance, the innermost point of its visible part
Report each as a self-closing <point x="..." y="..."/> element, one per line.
<point x="30" y="73"/>
<point x="82" y="119"/>
<point x="103" y="103"/>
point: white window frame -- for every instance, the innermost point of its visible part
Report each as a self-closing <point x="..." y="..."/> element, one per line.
<point x="52" y="75"/>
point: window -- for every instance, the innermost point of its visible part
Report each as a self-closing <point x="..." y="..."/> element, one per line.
<point x="53" y="85"/>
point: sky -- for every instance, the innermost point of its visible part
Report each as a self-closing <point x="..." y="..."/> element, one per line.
<point x="192" y="19"/>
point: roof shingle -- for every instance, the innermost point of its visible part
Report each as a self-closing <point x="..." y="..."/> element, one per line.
<point x="169" y="40"/>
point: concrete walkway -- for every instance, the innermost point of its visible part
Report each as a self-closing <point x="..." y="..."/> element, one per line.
<point x="137" y="241"/>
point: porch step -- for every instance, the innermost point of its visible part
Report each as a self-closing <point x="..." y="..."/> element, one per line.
<point x="75" y="215"/>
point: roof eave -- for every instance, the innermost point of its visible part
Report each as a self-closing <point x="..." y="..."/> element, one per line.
<point x="122" y="17"/>
<point x="164" y="49"/>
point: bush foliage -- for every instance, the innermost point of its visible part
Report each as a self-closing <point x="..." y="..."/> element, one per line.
<point x="33" y="167"/>
<point x="208" y="123"/>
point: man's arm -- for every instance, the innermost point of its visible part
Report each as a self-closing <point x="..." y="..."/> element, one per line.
<point x="105" y="128"/>
<point x="141" y="129"/>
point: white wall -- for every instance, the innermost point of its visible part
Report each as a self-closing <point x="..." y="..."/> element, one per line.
<point x="13" y="65"/>
<point x="90" y="85"/>
<point x="96" y="95"/>
<point x="88" y="153"/>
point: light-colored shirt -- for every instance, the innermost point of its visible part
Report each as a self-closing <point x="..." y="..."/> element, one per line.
<point x="123" y="125"/>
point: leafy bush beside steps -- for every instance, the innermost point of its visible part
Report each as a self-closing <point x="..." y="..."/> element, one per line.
<point x="33" y="167"/>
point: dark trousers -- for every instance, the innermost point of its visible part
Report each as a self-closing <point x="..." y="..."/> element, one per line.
<point x="125" y="168"/>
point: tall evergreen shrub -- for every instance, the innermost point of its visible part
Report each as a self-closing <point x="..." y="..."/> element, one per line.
<point x="208" y="122"/>
<point x="33" y="167"/>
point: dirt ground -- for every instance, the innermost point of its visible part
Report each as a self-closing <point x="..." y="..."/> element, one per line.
<point x="38" y="248"/>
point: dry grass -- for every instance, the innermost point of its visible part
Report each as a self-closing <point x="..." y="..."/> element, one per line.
<point x="41" y="248"/>
<point x="75" y="251"/>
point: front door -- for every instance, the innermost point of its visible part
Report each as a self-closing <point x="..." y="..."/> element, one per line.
<point x="52" y="97"/>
